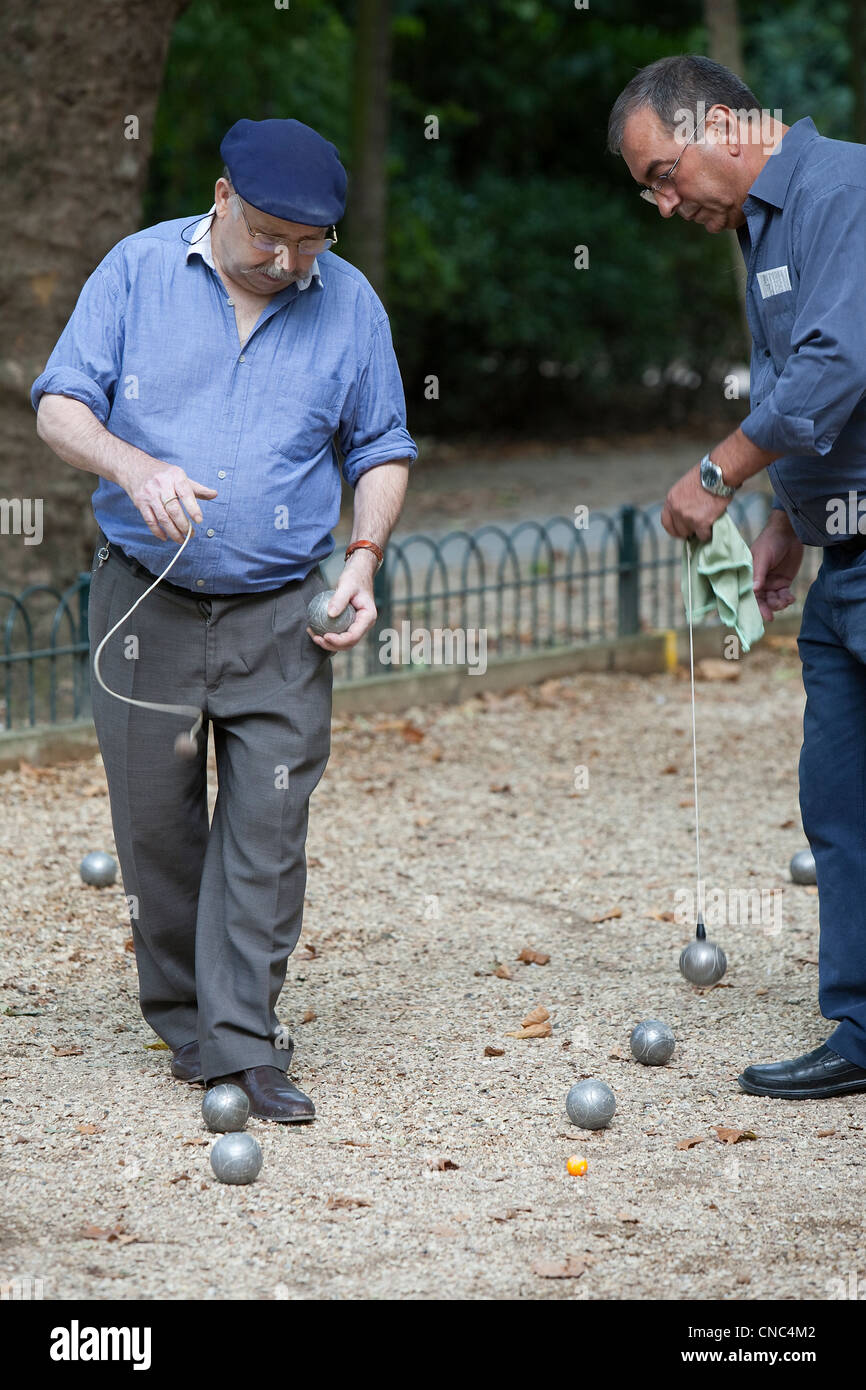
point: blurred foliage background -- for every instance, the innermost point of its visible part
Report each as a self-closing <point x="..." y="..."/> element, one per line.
<point x="483" y="222"/>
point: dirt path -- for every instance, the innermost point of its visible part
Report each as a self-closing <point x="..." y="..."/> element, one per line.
<point x="437" y="850"/>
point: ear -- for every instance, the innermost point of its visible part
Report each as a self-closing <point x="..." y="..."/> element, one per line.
<point x="723" y="128"/>
<point x="222" y="193"/>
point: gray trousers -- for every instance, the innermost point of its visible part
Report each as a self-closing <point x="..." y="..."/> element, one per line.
<point x="216" y="910"/>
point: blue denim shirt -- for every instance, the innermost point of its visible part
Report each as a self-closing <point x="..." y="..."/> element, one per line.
<point x="804" y="244"/>
<point x="152" y="348"/>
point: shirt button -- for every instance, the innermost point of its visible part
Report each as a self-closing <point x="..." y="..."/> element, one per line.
<point x="211" y="532"/>
<point x="222" y="473"/>
<point x="242" y="358"/>
<point x="199" y="583"/>
<point x="229" y="301"/>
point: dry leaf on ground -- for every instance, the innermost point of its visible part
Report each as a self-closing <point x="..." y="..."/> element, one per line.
<point x="728" y="1135"/>
<point x="532" y="957"/>
<point x="690" y="1143"/>
<point x="570" y="1268"/>
<point x="606" y="916"/>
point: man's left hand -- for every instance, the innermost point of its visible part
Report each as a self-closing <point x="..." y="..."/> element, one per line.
<point x="690" y="510"/>
<point x="354" y="586"/>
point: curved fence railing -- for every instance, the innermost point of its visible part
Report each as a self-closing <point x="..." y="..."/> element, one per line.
<point x="536" y="585"/>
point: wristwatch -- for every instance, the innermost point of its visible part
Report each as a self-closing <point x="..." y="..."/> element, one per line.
<point x="712" y="480"/>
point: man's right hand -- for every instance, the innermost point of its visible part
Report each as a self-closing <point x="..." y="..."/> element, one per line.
<point x="148" y="483"/>
<point x="776" y="557"/>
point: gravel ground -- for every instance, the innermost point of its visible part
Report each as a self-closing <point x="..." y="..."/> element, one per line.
<point x="440" y="846"/>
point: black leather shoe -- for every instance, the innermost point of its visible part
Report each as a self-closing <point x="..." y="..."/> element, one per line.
<point x="186" y="1063"/>
<point x="272" y="1095"/>
<point x="819" y="1073"/>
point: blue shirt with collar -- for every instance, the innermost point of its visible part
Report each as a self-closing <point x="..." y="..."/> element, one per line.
<point x="152" y="348"/>
<point x="804" y="243"/>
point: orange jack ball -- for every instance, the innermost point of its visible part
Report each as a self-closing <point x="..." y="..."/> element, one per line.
<point x="576" y="1166"/>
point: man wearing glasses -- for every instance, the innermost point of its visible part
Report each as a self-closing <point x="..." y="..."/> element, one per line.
<point x="691" y="132"/>
<point x="214" y="377"/>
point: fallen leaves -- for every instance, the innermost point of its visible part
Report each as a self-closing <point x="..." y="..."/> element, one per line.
<point x="339" y="1201"/>
<point x="89" y="1129"/>
<point x="442" y="1165"/>
<point x="571" y="1268"/>
<point x="535" y="1025"/>
<point x="199" y="1139"/>
<point x="508" y="1214"/>
<point x="662" y="916"/>
<point x="503" y="972"/>
<point x="309" y="1016"/>
<point x="73" y="1051"/>
<point x="607" y="916"/>
<point x="714" y="668"/>
<point x="494" y="1051"/>
<point x="690" y="1143"/>
<point x="158" y="1046"/>
<point x="825" y="1133"/>
<point x="728" y="1135"/>
<point x="107" y="1233"/>
<point x="530" y="956"/>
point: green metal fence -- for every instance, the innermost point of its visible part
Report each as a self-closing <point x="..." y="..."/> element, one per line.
<point x="534" y="586"/>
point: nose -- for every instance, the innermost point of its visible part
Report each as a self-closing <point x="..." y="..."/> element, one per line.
<point x="668" y="202"/>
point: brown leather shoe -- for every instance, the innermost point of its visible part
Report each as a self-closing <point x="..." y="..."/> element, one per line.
<point x="272" y="1095"/>
<point x="186" y="1063"/>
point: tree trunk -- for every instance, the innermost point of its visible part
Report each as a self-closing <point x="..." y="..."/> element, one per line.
<point x="857" y="40"/>
<point x="723" y="30"/>
<point x="78" y="90"/>
<point x="368" y="194"/>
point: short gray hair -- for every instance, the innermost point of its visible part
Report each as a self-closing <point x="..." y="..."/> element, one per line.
<point x="670" y="86"/>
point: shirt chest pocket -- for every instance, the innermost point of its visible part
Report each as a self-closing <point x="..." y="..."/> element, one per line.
<point x="777" y="319"/>
<point x="305" y="414"/>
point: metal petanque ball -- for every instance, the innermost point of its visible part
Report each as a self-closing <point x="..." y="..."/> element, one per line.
<point x="236" y="1158"/>
<point x="702" y="962"/>
<point x="803" y="867"/>
<point x="320" y="620"/>
<point x="590" y="1104"/>
<point x="98" y="869"/>
<point x="225" y="1108"/>
<point x="652" y="1043"/>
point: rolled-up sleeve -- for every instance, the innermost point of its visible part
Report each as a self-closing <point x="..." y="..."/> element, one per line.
<point x="86" y="361"/>
<point x="825" y="375"/>
<point x="373" y="422"/>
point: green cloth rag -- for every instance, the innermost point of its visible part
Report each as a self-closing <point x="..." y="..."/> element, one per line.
<point x="722" y="581"/>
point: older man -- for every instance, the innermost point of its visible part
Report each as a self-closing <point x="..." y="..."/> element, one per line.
<point x="208" y="371"/>
<point x="694" y="138"/>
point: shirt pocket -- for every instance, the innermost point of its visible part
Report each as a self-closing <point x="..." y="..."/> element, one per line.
<point x="305" y="414"/>
<point x="777" y="317"/>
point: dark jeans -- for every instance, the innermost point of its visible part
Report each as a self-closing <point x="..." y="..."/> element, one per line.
<point x="833" y="786"/>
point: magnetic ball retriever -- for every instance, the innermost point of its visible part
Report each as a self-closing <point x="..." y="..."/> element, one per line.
<point x="652" y="1043"/>
<point x="236" y="1158"/>
<point x="319" y="618"/>
<point x="98" y="869"/>
<point x="225" y="1109"/>
<point x="590" y="1104"/>
<point x="702" y="962"/>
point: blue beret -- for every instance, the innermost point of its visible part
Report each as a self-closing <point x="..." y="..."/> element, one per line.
<point x="287" y="170"/>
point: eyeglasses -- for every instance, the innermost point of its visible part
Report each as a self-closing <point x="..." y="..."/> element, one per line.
<point x="309" y="246"/>
<point x="649" y="194"/>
